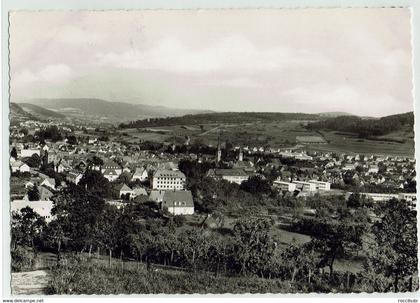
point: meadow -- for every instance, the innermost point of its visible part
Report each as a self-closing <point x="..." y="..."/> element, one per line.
<point x="280" y="134"/>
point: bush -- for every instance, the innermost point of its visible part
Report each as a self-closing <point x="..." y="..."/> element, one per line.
<point x="23" y="259"/>
<point x="179" y="220"/>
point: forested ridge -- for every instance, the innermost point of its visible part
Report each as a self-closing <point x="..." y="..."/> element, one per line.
<point x="366" y="128"/>
<point x="228" y="117"/>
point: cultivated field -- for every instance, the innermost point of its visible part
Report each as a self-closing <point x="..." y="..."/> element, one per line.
<point x="280" y="134"/>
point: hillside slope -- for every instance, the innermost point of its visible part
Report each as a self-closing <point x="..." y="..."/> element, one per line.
<point x="366" y="128"/>
<point x="18" y="114"/>
<point x="40" y="111"/>
<point x="90" y="108"/>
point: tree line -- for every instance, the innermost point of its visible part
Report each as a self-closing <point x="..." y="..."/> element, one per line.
<point x="365" y="128"/>
<point x="230" y="117"/>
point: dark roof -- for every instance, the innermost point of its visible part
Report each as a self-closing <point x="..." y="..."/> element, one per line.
<point x="168" y="173"/>
<point x="110" y="171"/>
<point x="111" y="164"/>
<point x="178" y="198"/>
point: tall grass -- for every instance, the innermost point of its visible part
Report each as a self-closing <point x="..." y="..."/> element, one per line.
<point x="88" y="278"/>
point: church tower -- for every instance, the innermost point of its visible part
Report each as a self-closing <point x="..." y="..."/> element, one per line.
<point x="219" y="151"/>
<point x="241" y="155"/>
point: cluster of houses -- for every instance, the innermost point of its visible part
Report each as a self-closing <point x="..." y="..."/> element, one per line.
<point x="167" y="184"/>
<point x="317" y="172"/>
<point x="154" y="176"/>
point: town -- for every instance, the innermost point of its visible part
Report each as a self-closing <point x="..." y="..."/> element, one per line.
<point x="154" y="175"/>
<point x="211" y="151"/>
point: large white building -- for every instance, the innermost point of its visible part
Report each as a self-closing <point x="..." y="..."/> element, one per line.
<point x="232" y="175"/>
<point x="168" y="179"/>
<point x="321" y="185"/>
<point x="376" y="197"/>
<point x="284" y="186"/>
<point x="408" y="196"/>
<point x="305" y="186"/>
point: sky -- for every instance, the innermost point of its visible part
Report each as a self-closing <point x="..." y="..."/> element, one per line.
<point x="272" y="60"/>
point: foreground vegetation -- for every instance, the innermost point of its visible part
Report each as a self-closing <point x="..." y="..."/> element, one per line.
<point x="240" y="249"/>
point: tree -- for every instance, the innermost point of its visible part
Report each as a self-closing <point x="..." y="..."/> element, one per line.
<point x="26" y="227"/>
<point x="194" y="246"/>
<point x="300" y="259"/>
<point x="51" y="132"/>
<point x="72" y="140"/>
<point x="256" y="184"/>
<point x="95" y="183"/>
<point x="356" y="200"/>
<point x="253" y="245"/>
<point x="33" y="194"/>
<point x="107" y="230"/>
<point x="53" y="235"/>
<point x="124" y="178"/>
<point x="24" y="131"/>
<point x="337" y="237"/>
<point x="33" y="161"/>
<point x="395" y="247"/>
<point x="13" y="153"/>
<point x="77" y="212"/>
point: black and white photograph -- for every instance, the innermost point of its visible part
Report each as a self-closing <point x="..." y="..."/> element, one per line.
<point x="212" y="151"/>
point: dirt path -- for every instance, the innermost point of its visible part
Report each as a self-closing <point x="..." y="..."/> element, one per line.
<point x="209" y="131"/>
<point x="30" y="282"/>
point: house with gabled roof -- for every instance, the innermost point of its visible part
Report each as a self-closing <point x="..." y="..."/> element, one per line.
<point x="178" y="202"/>
<point x="74" y="177"/>
<point x="139" y="191"/>
<point x="233" y="175"/>
<point x="19" y="166"/>
<point x="156" y="195"/>
<point x="140" y="174"/>
<point x="111" y="164"/>
<point x="110" y="174"/>
<point x="126" y="192"/>
<point x="48" y="182"/>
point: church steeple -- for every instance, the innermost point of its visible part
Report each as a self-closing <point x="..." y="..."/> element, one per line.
<point x="219" y="151"/>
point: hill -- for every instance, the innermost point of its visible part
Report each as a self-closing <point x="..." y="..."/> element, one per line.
<point x="41" y="112"/>
<point x="106" y="111"/>
<point x="18" y="114"/>
<point x="222" y="118"/>
<point x="366" y="128"/>
<point x="334" y="114"/>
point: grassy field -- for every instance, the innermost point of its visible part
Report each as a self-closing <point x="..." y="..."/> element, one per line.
<point x="90" y="279"/>
<point x="277" y="135"/>
<point x="339" y="142"/>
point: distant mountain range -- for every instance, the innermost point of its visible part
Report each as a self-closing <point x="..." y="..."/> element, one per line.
<point x="335" y="114"/>
<point x="97" y="110"/>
